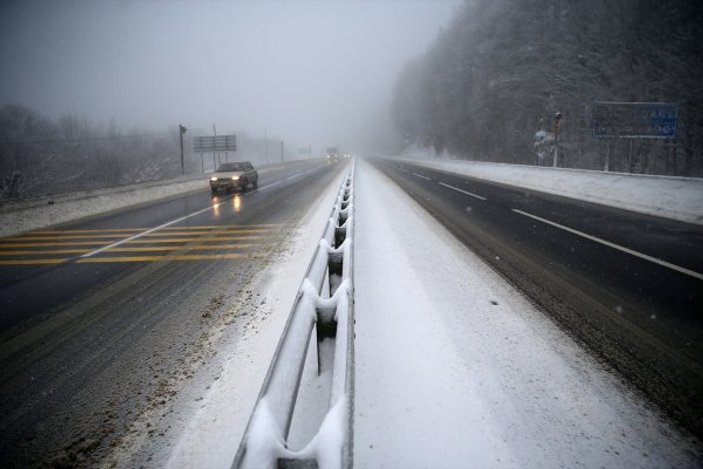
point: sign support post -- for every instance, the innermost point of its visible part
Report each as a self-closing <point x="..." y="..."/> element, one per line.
<point x="557" y="118"/>
<point x="214" y="144"/>
<point x="181" y="131"/>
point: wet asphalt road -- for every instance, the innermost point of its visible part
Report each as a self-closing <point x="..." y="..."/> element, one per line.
<point x="91" y="339"/>
<point x="629" y="287"/>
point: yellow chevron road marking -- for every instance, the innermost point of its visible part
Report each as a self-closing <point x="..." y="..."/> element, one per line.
<point x="128" y="259"/>
<point x="106" y="230"/>
<point x="221" y="227"/>
<point x="31" y="252"/>
<point x="31" y="261"/>
<point x="179" y="248"/>
<point x="184" y="240"/>
<point x="50" y="238"/>
<point x="196" y="233"/>
<point x="69" y="243"/>
<point x="168" y="228"/>
<point x="167" y="240"/>
<point x="184" y="257"/>
<point x="135" y="241"/>
<point x="202" y="247"/>
<point x="106" y="237"/>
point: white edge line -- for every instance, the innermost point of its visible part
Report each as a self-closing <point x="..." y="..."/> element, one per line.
<point x="143" y="233"/>
<point x="614" y="246"/>
<point x="421" y="176"/>
<point x="462" y="191"/>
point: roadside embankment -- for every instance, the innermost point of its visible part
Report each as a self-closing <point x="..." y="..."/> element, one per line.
<point x="677" y="198"/>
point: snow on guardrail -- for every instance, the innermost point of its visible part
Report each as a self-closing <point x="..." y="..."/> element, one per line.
<point x="324" y="301"/>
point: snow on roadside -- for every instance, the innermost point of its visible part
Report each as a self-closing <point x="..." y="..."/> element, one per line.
<point x="677" y="198"/>
<point x="37" y="217"/>
<point x="212" y="436"/>
<point x="19" y="217"/>
<point x="456" y="369"/>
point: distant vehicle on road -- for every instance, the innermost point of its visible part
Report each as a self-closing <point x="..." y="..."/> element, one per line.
<point x="332" y="153"/>
<point x="238" y="175"/>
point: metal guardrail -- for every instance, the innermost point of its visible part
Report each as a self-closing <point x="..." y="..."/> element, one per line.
<point x="264" y="444"/>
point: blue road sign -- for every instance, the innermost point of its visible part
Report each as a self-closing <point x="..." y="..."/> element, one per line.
<point x="635" y="120"/>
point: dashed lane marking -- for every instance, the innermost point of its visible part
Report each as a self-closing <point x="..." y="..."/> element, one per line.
<point x="660" y="262"/>
<point x="479" y="197"/>
<point x="422" y="176"/>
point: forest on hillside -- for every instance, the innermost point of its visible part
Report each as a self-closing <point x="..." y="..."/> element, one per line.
<point x="43" y="156"/>
<point x="40" y="156"/>
<point x="489" y="87"/>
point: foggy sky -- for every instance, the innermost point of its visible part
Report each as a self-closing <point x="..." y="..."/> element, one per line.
<point x="309" y="71"/>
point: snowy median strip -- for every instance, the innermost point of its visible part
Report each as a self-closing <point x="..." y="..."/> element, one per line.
<point x="324" y="301"/>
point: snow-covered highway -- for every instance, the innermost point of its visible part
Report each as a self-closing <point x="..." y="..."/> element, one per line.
<point x="454" y="366"/>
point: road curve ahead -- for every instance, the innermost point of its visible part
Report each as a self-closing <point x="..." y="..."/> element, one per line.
<point x="104" y="319"/>
<point x="627" y="286"/>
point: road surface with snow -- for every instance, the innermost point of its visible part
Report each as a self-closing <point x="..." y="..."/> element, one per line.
<point x="626" y="285"/>
<point x="454" y="367"/>
<point x="105" y="320"/>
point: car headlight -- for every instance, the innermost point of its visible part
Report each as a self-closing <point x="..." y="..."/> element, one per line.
<point x="213" y="178"/>
<point x="235" y="178"/>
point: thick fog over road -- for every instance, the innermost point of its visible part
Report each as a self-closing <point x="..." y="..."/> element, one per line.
<point x="313" y="71"/>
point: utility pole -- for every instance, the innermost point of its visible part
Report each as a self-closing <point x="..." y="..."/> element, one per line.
<point x="181" y="131"/>
<point x="282" y="151"/>
<point x="214" y="131"/>
<point x="557" y="118"/>
<point x="266" y="145"/>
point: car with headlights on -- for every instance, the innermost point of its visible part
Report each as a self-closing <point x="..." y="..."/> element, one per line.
<point x="237" y="175"/>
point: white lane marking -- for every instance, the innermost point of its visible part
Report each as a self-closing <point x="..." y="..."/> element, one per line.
<point x="294" y="176"/>
<point x="462" y="191"/>
<point x="669" y="265"/>
<point x="144" y="233"/>
<point x="421" y="176"/>
<point x="268" y="186"/>
<point x="301" y="173"/>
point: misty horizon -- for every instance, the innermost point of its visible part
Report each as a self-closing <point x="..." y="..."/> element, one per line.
<point x="307" y="71"/>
